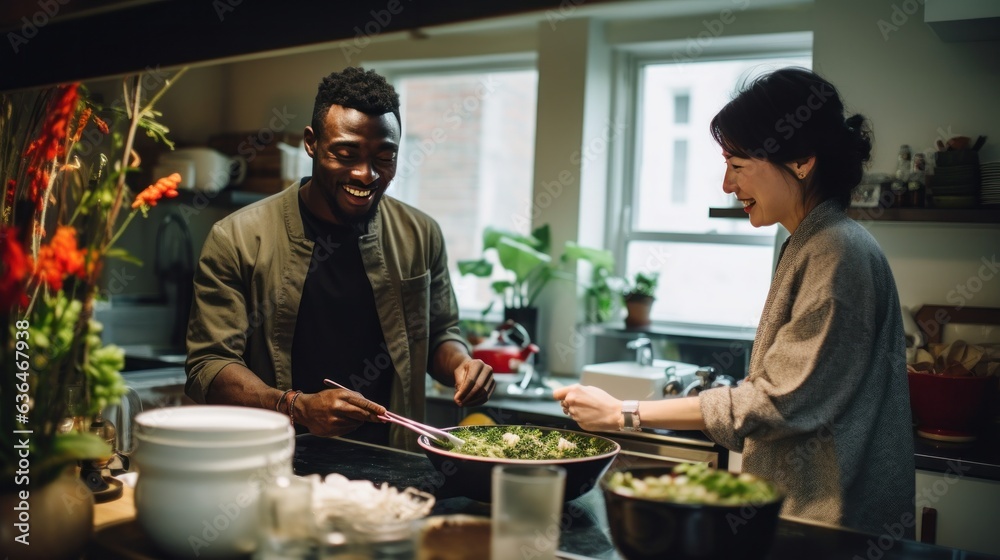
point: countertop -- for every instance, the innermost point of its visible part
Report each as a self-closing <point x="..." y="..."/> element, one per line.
<point x="584" y="536"/>
<point x="978" y="459"/>
<point x="586" y="533"/>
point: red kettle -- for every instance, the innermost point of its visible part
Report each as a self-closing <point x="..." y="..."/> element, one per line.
<point x="502" y="351"/>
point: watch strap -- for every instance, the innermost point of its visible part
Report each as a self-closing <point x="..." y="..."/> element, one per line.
<point x="630" y="416"/>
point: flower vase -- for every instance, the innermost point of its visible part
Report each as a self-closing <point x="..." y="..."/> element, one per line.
<point x="639" y="308"/>
<point x="55" y="522"/>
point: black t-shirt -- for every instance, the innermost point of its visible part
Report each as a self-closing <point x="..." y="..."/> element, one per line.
<point x="337" y="332"/>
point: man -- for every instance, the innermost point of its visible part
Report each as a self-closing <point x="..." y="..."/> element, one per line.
<point x="329" y="279"/>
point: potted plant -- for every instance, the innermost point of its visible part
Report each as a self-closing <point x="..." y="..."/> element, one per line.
<point x="638" y="296"/>
<point x="530" y="267"/>
<point x="599" y="293"/>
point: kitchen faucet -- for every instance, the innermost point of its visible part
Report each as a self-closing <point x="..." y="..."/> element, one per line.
<point x="643" y="350"/>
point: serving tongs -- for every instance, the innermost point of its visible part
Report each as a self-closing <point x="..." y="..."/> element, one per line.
<point x="438" y="436"/>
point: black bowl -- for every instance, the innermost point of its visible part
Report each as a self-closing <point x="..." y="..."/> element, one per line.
<point x="471" y="476"/>
<point x="645" y="529"/>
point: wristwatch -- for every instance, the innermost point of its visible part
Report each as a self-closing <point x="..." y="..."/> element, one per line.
<point x="630" y="416"/>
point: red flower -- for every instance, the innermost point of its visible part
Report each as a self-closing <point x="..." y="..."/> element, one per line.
<point x="51" y="141"/>
<point x="164" y="188"/>
<point x="60" y="258"/>
<point x="15" y="266"/>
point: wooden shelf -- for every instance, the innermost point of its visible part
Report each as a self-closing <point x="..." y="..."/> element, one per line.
<point x="224" y="198"/>
<point x="943" y="215"/>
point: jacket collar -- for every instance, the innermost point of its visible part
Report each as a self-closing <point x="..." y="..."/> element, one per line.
<point x="293" y="217"/>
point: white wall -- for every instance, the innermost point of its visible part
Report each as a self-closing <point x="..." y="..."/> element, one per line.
<point x="913" y="85"/>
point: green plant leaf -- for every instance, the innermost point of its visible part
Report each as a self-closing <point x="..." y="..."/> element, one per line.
<point x="70" y="447"/>
<point x="501" y="285"/>
<point x="476" y="267"/>
<point x="599" y="258"/>
<point x="492" y="237"/>
<point x="519" y="258"/>
<point x="122" y="255"/>
<point x="544" y="236"/>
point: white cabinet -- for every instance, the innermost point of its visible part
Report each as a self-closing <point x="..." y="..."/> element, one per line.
<point x="968" y="509"/>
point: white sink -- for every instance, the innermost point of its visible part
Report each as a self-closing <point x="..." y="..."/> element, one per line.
<point x="630" y="380"/>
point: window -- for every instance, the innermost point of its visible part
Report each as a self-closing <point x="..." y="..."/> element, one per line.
<point x="467" y="158"/>
<point x="712" y="271"/>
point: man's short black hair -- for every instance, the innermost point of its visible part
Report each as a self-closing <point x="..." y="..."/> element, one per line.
<point x="355" y="88"/>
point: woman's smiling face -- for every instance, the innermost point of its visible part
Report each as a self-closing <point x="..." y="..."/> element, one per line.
<point x="770" y="195"/>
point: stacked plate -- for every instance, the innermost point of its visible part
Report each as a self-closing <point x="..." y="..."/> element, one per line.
<point x="955" y="186"/>
<point x="989" y="194"/>
<point x="200" y="474"/>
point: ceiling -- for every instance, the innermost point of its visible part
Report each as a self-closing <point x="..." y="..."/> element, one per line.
<point x="54" y="41"/>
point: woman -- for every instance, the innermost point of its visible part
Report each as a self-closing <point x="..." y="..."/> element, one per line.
<point x="824" y="409"/>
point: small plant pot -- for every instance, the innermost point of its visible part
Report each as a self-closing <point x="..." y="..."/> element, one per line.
<point x="638" y="310"/>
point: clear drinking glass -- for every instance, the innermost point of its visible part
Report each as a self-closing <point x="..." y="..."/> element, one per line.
<point x="287" y="525"/>
<point x="527" y="505"/>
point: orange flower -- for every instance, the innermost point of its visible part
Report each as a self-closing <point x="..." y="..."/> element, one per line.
<point x="164" y="188"/>
<point x="15" y="266"/>
<point x="60" y="258"/>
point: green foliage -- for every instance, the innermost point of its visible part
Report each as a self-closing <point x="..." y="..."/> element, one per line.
<point x="643" y="284"/>
<point x="530" y="267"/>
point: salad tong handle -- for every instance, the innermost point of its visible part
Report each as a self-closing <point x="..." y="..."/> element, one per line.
<point x="440" y="436"/>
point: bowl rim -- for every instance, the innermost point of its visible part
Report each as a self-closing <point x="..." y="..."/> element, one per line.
<point x="978" y="378"/>
<point x="425" y="443"/>
<point x="194" y="422"/>
<point x="606" y="488"/>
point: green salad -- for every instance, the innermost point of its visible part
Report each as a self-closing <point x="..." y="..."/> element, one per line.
<point x="695" y="483"/>
<point x="523" y="442"/>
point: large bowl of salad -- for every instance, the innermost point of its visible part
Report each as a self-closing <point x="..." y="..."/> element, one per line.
<point x="467" y="471"/>
<point x="690" y="511"/>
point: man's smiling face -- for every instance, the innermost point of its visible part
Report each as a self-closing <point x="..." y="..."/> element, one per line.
<point x="354" y="160"/>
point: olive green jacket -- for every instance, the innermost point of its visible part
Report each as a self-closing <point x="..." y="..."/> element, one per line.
<point x="249" y="283"/>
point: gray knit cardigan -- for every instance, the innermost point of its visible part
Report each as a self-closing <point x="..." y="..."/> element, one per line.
<point x="824" y="410"/>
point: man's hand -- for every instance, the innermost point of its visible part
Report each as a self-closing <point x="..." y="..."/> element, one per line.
<point x="335" y="412"/>
<point x="474" y="383"/>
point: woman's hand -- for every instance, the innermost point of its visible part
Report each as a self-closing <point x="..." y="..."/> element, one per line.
<point x="592" y="408"/>
<point x="335" y="412"/>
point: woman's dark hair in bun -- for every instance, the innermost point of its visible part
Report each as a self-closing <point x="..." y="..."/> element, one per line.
<point x="789" y="115"/>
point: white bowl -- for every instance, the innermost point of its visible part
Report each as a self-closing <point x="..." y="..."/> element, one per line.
<point x="222" y="456"/>
<point x="211" y="423"/>
<point x="205" y="510"/>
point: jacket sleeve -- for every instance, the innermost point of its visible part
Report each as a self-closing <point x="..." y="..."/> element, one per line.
<point x="443" y="304"/>
<point x="218" y="324"/>
<point x="814" y="366"/>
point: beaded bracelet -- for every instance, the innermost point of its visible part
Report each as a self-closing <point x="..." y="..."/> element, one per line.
<point x="277" y="405"/>
<point x="291" y="407"/>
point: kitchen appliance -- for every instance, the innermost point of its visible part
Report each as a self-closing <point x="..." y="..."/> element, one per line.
<point x="174" y="265"/>
<point x="506" y="349"/>
<point x="213" y="170"/>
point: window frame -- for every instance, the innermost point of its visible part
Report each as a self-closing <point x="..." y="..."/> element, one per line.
<point x="397" y="71"/>
<point x="629" y="62"/>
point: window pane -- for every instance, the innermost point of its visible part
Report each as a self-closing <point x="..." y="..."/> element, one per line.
<point x="679" y="184"/>
<point x="466" y="159"/>
<point x="708" y="86"/>
<point x="705" y="283"/>
<point x="682" y="108"/>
